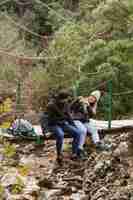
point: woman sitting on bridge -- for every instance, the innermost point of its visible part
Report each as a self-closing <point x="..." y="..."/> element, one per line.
<point x="83" y="110"/>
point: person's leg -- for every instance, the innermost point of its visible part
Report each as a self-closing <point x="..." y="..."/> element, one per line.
<point x="44" y="123"/>
<point x="92" y="129"/>
<point x="76" y="134"/>
<point x="83" y="129"/>
<point x="59" y="135"/>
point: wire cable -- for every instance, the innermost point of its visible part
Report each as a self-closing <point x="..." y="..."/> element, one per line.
<point x="27" y="57"/>
<point x="22" y="26"/>
<point x="123" y="93"/>
<point x="4" y="2"/>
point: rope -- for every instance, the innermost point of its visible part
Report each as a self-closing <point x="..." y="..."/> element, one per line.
<point x="123" y="93"/>
<point x="101" y="84"/>
<point x="114" y="94"/>
<point x="4" y="2"/>
<point x="43" y="4"/>
<point x="98" y="72"/>
<point x="26" y="57"/>
<point x="34" y="33"/>
<point x="22" y="26"/>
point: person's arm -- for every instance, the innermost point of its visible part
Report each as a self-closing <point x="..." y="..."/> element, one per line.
<point x="94" y="108"/>
<point x="90" y="111"/>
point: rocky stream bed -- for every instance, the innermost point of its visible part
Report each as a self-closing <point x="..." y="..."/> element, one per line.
<point x="30" y="172"/>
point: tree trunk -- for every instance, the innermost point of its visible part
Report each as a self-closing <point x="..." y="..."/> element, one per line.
<point x="22" y="6"/>
<point x="71" y="4"/>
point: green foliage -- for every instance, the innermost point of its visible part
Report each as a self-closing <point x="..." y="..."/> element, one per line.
<point x="91" y="45"/>
<point x="18" y="186"/>
<point x="24" y="170"/>
<point x="2" y="189"/>
<point x="8" y="73"/>
<point x="68" y="49"/>
<point x="103" y="46"/>
<point x="9" y="150"/>
<point x="41" y="86"/>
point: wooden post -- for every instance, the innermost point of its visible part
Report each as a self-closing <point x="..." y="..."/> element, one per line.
<point x="75" y="88"/>
<point x="18" y="96"/>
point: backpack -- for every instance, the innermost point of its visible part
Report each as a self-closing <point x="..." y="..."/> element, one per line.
<point x="22" y="127"/>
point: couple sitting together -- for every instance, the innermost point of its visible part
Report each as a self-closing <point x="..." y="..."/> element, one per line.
<point x="74" y="116"/>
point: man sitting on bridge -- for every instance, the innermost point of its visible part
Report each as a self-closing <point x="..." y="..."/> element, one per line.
<point x="60" y="121"/>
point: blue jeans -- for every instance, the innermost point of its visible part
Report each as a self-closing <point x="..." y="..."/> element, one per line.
<point x="59" y="130"/>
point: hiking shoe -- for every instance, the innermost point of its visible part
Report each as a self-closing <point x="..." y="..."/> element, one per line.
<point x="102" y="147"/>
<point x="59" y="159"/>
<point x="82" y="155"/>
<point x="74" y="157"/>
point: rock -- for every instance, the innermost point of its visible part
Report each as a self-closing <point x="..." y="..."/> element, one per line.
<point x="101" y="167"/>
<point x="117" y="183"/>
<point x="27" y="149"/>
<point x="9" y="179"/>
<point x="1" y="157"/>
<point x="67" y="191"/>
<point x="30" y="185"/>
<point x="27" y="197"/>
<point x="75" y="196"/>
<point x="28" y="160"/>
<point x="74" y="189"/>
<point x="45" y="182"/>
<point x="42" y="195"/>
<point x="26" y="184"/>
<point x="98" y="167"/>
<point x="102" y="192"/>
<point x="122" y="150"/>
<point x="50" y="194"/>
<point x="4" y="194"/>
<point x="117" y="152"/>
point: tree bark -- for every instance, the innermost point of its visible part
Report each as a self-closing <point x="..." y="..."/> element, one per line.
<point x="71" y="4"/>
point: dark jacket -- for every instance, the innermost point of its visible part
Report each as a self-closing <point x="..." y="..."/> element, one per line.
<point x="58" y="113"/>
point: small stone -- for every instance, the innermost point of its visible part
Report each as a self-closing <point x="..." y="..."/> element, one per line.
<point x="117" y="183"/>
<point x="98" y="166"/>
<point x="47" y="183"/>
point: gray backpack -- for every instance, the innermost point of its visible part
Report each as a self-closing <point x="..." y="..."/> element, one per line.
<point x="22" y="127"/>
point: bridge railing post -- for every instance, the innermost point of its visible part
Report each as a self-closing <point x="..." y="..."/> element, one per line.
<point x="109" y="103"/>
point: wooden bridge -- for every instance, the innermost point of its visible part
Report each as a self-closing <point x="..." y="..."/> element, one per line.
<point x="116" y="126"/>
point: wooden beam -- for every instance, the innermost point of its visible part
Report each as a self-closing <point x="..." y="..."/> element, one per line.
<point x="50" y="136"/>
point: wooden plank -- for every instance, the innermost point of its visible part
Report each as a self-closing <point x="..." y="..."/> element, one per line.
<point x="117" y="127"/>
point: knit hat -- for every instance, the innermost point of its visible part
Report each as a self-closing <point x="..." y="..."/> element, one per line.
<point x="96" y="94"/>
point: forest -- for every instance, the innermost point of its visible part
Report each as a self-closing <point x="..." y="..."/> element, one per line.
<point x="78" y="45"/>
<point x="69" y="43"/>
